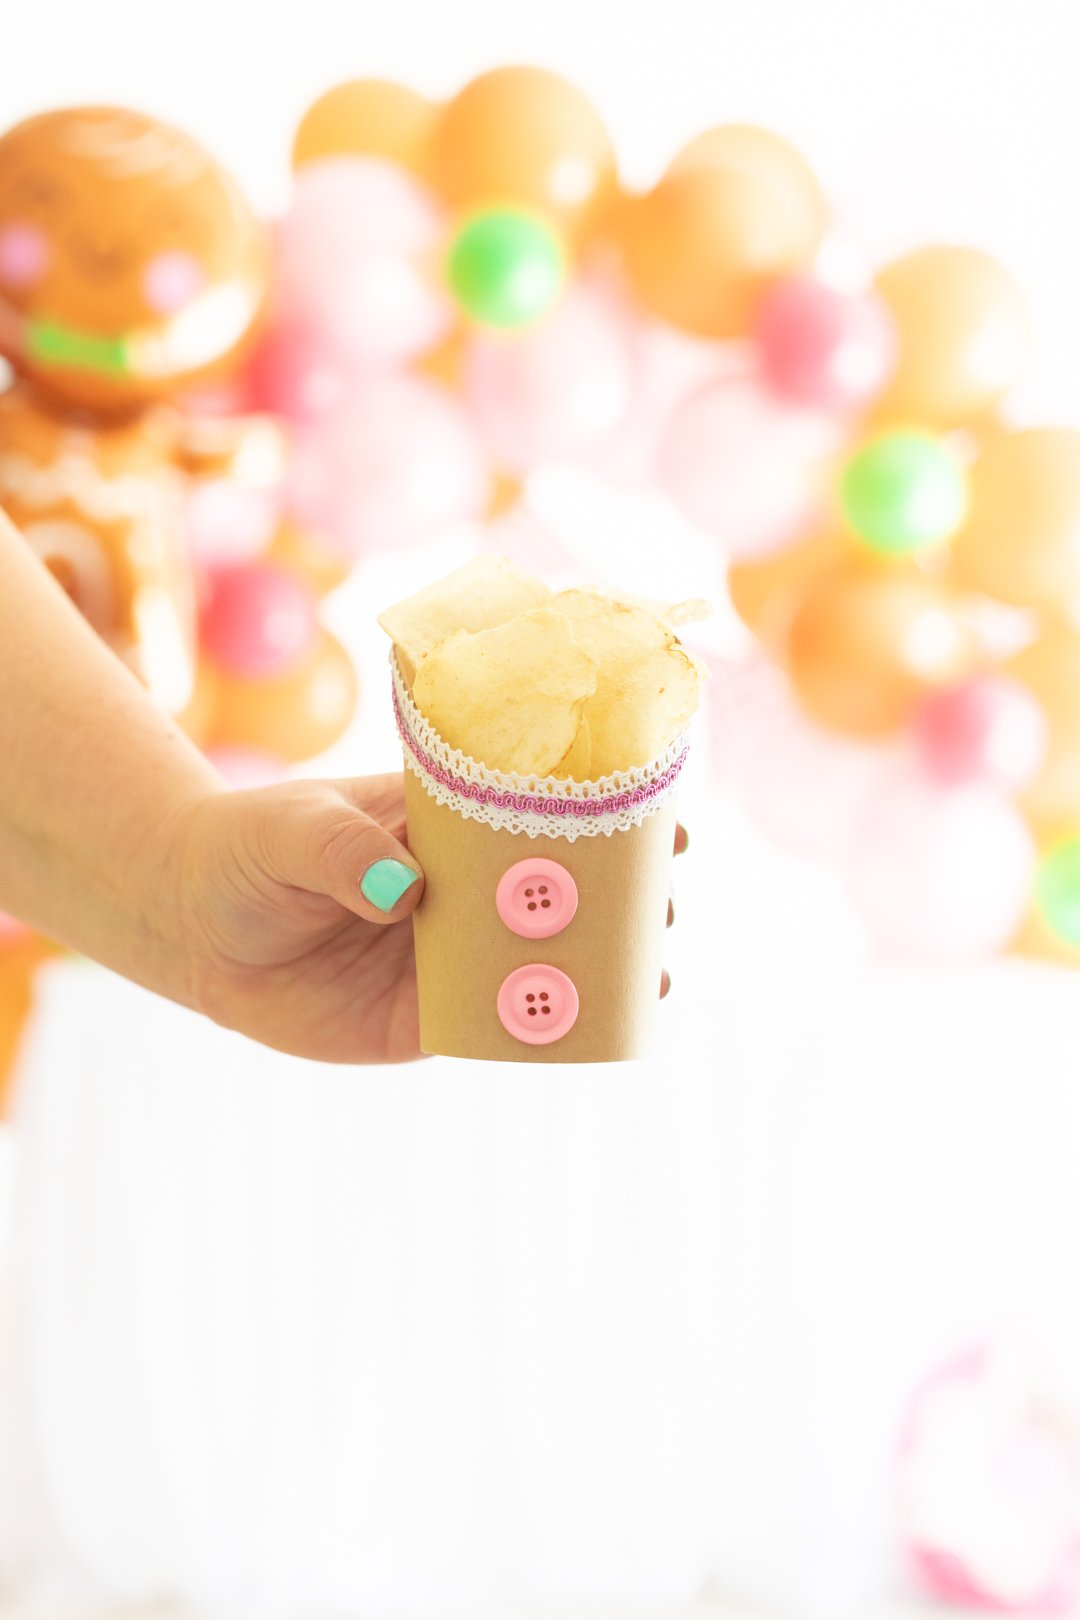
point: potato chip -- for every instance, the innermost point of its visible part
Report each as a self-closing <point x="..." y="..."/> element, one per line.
<point x="647" y="685"/>
<point x="576" y="763"/>
<point x="484" y="593"/>
<point x="691" y="611"/>
<point x="511" y="696"/>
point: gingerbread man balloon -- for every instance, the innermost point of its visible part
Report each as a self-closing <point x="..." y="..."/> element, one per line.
<point x="132" y="271"/>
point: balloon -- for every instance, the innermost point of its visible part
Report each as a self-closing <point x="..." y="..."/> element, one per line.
<point x="988" y="1480"/>
<point x="1050" y="670"/>
<point x="402" y="462"/>
<point x="367" y="118"/>
<point x="746" y="466"/>
<point x="704" y="245"/>
<point x="867" y="642"/>
<point x="558" y="389"/>
<point x="505" y="268"/>
<point x="804" y="787"/>
<point x="16" y="1000"/>
<point x="523" y="136"/>
<point x="939" y="873"/>
<point x="228" y="521"/>
<point x="668" y="366"/>
<point x="320" y="564"/>
<point x="989" y="729"/>
<point x="903" y="492"/>
<point x="765" y="592"/>
<point x="824" y="348"/>
<point x="247" y="767"/>
<point x="1057" y="890"/>
<point x="355" y="264"/>
<point x="1021" y="540"/>
<point x="293" y="716"/>
<point x="771" y="159"/>
<point x="259" y="621"/>
<point x="962" y="329"/>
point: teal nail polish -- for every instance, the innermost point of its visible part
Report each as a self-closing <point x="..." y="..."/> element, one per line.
<point x="385" y="882"/>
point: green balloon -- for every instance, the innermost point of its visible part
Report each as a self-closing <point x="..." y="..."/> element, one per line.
<point x="505" y="268"/>
<point x="1057" y="890"/>
<point x="902" y="492"/>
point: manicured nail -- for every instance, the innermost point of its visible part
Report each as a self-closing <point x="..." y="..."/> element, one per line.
<point x="682" y="839"/>
<point x="665" y="983"/>
<point x="670" y="912"/>
<point x="385" y="882"/>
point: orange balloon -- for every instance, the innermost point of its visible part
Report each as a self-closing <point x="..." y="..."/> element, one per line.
<point x="294" y="716"/>
<point x="444" y="362"/>
<point x="769" y="156"/>
<point x="19" y="964"/>
<point x="368" y="118"/>
<point x="1036" y="940"/>
<point x="1050" y="669"/>
<point x="867" y="642"/>
<point x="321" y="566"/>
<point x="504" y="495"/>
<point x="524" y="135"/>
<point x="704" y="245"/>
<point x="765" y="594"/>
<point x="1021" y="540"/>
<point x="963" y="335"/>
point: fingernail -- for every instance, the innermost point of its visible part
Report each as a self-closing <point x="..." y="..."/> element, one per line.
<point x="385" y="882"/>
<point x="665" y="983"/>
<point x="670" y="912"/>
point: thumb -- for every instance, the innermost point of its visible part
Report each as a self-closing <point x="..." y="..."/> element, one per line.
<point x="328" y="846"/>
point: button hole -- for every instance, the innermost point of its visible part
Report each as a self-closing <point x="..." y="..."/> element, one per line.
<point x="532" y="1012"/>
<point x="545" y="904"/>
<point x="530" y="998"/>
<point x="543" y="1009"/>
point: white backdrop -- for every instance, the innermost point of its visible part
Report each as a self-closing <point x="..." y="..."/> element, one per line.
<point x="289" y="1339"/>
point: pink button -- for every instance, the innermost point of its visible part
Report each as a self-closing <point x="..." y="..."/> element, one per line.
<point x="537" y="1004"/>
<point x="536" y="898"/>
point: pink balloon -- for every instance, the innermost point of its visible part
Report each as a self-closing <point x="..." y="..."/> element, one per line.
<point x="247" y="767"/>
<point x="298" y="372"/>
<point x="988" y="1487"/>
<point x="747" y="467"/>
<point x="400" y="463"/>
<point x="939" y="874"/>
<point x="558" y="388"/>
<point x="358" y="261"/>
<point x="825" y="348"/>
<point x="259" y="620"/>
<point x="229" y="522"/>
<point x="990" y="729"/>
<point x="804" y="787"/>
<point x="668" y="367"/>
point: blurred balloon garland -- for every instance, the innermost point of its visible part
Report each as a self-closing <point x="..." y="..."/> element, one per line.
<point x="460" y="294"/>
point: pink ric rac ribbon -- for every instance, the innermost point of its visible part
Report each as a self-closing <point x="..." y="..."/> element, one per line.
<point x="534" y="802"/>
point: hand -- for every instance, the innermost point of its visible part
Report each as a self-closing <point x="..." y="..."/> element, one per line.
<point x="282" y="943"/>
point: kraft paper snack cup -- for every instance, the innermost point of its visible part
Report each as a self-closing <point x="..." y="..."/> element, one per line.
<point x="539" y="935"/>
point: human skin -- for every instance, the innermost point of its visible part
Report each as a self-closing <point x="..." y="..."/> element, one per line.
<point x="120" y="840"/>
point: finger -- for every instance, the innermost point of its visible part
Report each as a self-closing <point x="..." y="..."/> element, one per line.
<point x="665" y="983"/>
<point x="326" y="845"/>
<point x="682" y="839"/>
<point x="670" y="913"/>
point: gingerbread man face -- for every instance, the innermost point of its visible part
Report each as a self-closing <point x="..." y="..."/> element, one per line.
<point x="130" y="265"/>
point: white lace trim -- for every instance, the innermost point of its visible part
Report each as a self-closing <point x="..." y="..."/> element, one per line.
<point x="541" y="807"/>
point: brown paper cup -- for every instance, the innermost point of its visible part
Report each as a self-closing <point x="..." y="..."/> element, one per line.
<point x="612" y="842"/>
